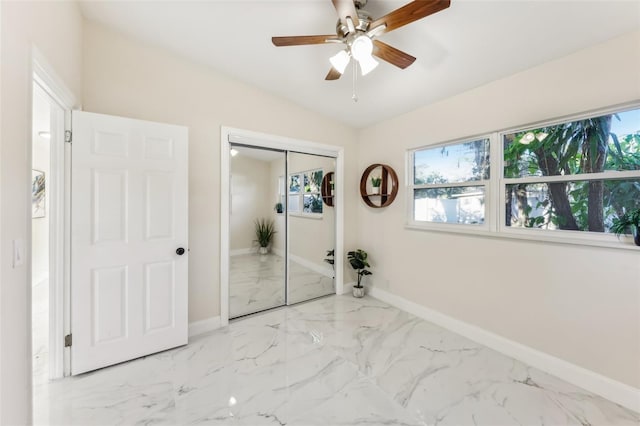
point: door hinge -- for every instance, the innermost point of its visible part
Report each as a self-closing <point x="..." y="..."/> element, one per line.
<point x="68" y="136"/>
<point x="67" y="340"/>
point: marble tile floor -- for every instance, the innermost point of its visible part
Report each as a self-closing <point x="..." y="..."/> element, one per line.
<point x="256" y="283"/>
<point x="332" y="361"/>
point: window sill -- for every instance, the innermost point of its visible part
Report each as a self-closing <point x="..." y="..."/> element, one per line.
<point x="537" y="236"/>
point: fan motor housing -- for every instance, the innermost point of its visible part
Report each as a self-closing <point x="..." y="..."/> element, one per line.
<point x="363" y="25"/>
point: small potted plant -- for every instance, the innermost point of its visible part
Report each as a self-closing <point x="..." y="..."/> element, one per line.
<point x="358" y="261"/>
<point x="279" y="208"/>
<point x="264" y="233"/>
<point x="376" y="181"/>
<point x="628" y="220"/>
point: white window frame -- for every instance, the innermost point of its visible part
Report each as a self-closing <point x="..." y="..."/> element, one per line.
<point x="489" y="213"/>
<point x="495" y="215"/>
<point x="300" y="212"/>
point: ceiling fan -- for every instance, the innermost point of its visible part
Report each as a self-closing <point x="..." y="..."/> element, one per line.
<point x="358" y="31"/>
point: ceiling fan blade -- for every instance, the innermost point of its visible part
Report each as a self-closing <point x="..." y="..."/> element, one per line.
<point x="334" y="74"/>
<point x="409" y="13"/>
<point x="392" y="55"/>
<point x="346" y="8"/>
<point x="302" y="40"/>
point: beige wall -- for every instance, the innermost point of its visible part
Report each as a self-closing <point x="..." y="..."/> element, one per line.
<point x="129" y="78"/>
<point x="581" y="304"/>
<point x="250" y="199"/>
<point x="56" y="29"/>
<point x="311" y="237"/>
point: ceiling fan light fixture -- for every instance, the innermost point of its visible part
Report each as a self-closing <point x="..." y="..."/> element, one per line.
<point x="340" y="60"/>
<point x="361" y="48"/>
<point x="367" y="64"/>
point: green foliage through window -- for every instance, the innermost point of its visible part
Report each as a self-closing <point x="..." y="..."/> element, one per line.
<point x="603" y="145"/>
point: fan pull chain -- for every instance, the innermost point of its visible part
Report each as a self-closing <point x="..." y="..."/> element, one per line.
<point x="354" y="96"/>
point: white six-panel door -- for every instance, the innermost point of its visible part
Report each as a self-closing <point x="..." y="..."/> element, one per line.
<point x="129" y="215"/>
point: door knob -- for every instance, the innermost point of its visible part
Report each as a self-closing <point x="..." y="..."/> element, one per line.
<point x="180" y="251"/>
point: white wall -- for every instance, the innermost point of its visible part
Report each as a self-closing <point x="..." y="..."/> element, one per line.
<point x="128" y="78"/>
<point x="56" y="29"/>
<point x="581" y="304"/>
<point x="250" y="199"/>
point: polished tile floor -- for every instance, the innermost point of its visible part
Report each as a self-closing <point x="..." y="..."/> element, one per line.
<point x="332" y="361"/>
<point x="256" y="283"/>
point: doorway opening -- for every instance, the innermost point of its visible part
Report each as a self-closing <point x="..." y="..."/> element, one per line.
<point x="40" y="225"/>
<point x="47" y="236"/>
<point x="48" y="155"/>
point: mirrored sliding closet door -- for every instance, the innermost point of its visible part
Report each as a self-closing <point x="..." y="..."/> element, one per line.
<point x="257" y="234"/>
<point x="311" y="226"/>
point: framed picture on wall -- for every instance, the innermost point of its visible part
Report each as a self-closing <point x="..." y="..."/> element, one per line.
<point x="38" y="185"/>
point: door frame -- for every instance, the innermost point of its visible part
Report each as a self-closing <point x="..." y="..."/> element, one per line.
<point x="230" y="135"/>
<point x="43" y="74"/>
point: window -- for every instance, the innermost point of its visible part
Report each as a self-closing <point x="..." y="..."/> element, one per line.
<point x="574" y="176"/>
<point x="449" y="183"/>
<point x="571" y="175"/>
<point x="304" y="192"/>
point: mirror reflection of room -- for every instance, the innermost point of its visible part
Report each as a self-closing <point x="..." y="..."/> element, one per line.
<point x="311" y="226"/>
<point x="257" y="231"/>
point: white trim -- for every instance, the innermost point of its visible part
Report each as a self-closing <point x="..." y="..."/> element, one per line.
<point x="230" y="135"/>
<point x="532" y="235"/>
<point x="62" y="101"/>
<point x="606" y="175"/>
<point x="197" y="328"/>
<point x="591" y="381"/>
<point x="46" y="77"/>
<point x="265" y="140"/>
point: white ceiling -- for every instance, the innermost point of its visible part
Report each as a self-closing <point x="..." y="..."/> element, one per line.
<point x="470" y="44"/>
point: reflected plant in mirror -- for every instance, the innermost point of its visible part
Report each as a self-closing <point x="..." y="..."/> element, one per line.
<point x="264" y="229"/>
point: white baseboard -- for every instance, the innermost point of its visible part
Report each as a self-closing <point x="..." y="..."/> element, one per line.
<point x="615" y="391"/>
<point x="204" y="326"/>
<point x="238" y="252"/>
<point x="319" y="269"/>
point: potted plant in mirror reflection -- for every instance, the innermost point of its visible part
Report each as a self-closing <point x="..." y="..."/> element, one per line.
<point x="330" y="259"/>
<point x="279" y="208"/>
<point x="630" y="220"/>
<point x="264" y="232"/>
<point x="376" y="181"/>
<point x="358" y="261"/>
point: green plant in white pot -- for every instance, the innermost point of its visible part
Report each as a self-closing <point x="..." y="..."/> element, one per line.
<point x="358" y="261"/>
<point x="264" y="232"/>
<point x="629" y="220"/>
<point x="376" y="181"/>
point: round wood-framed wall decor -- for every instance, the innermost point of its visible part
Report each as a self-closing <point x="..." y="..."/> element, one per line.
<point x="388" y="186"/>
<point x="326" y="189"/>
